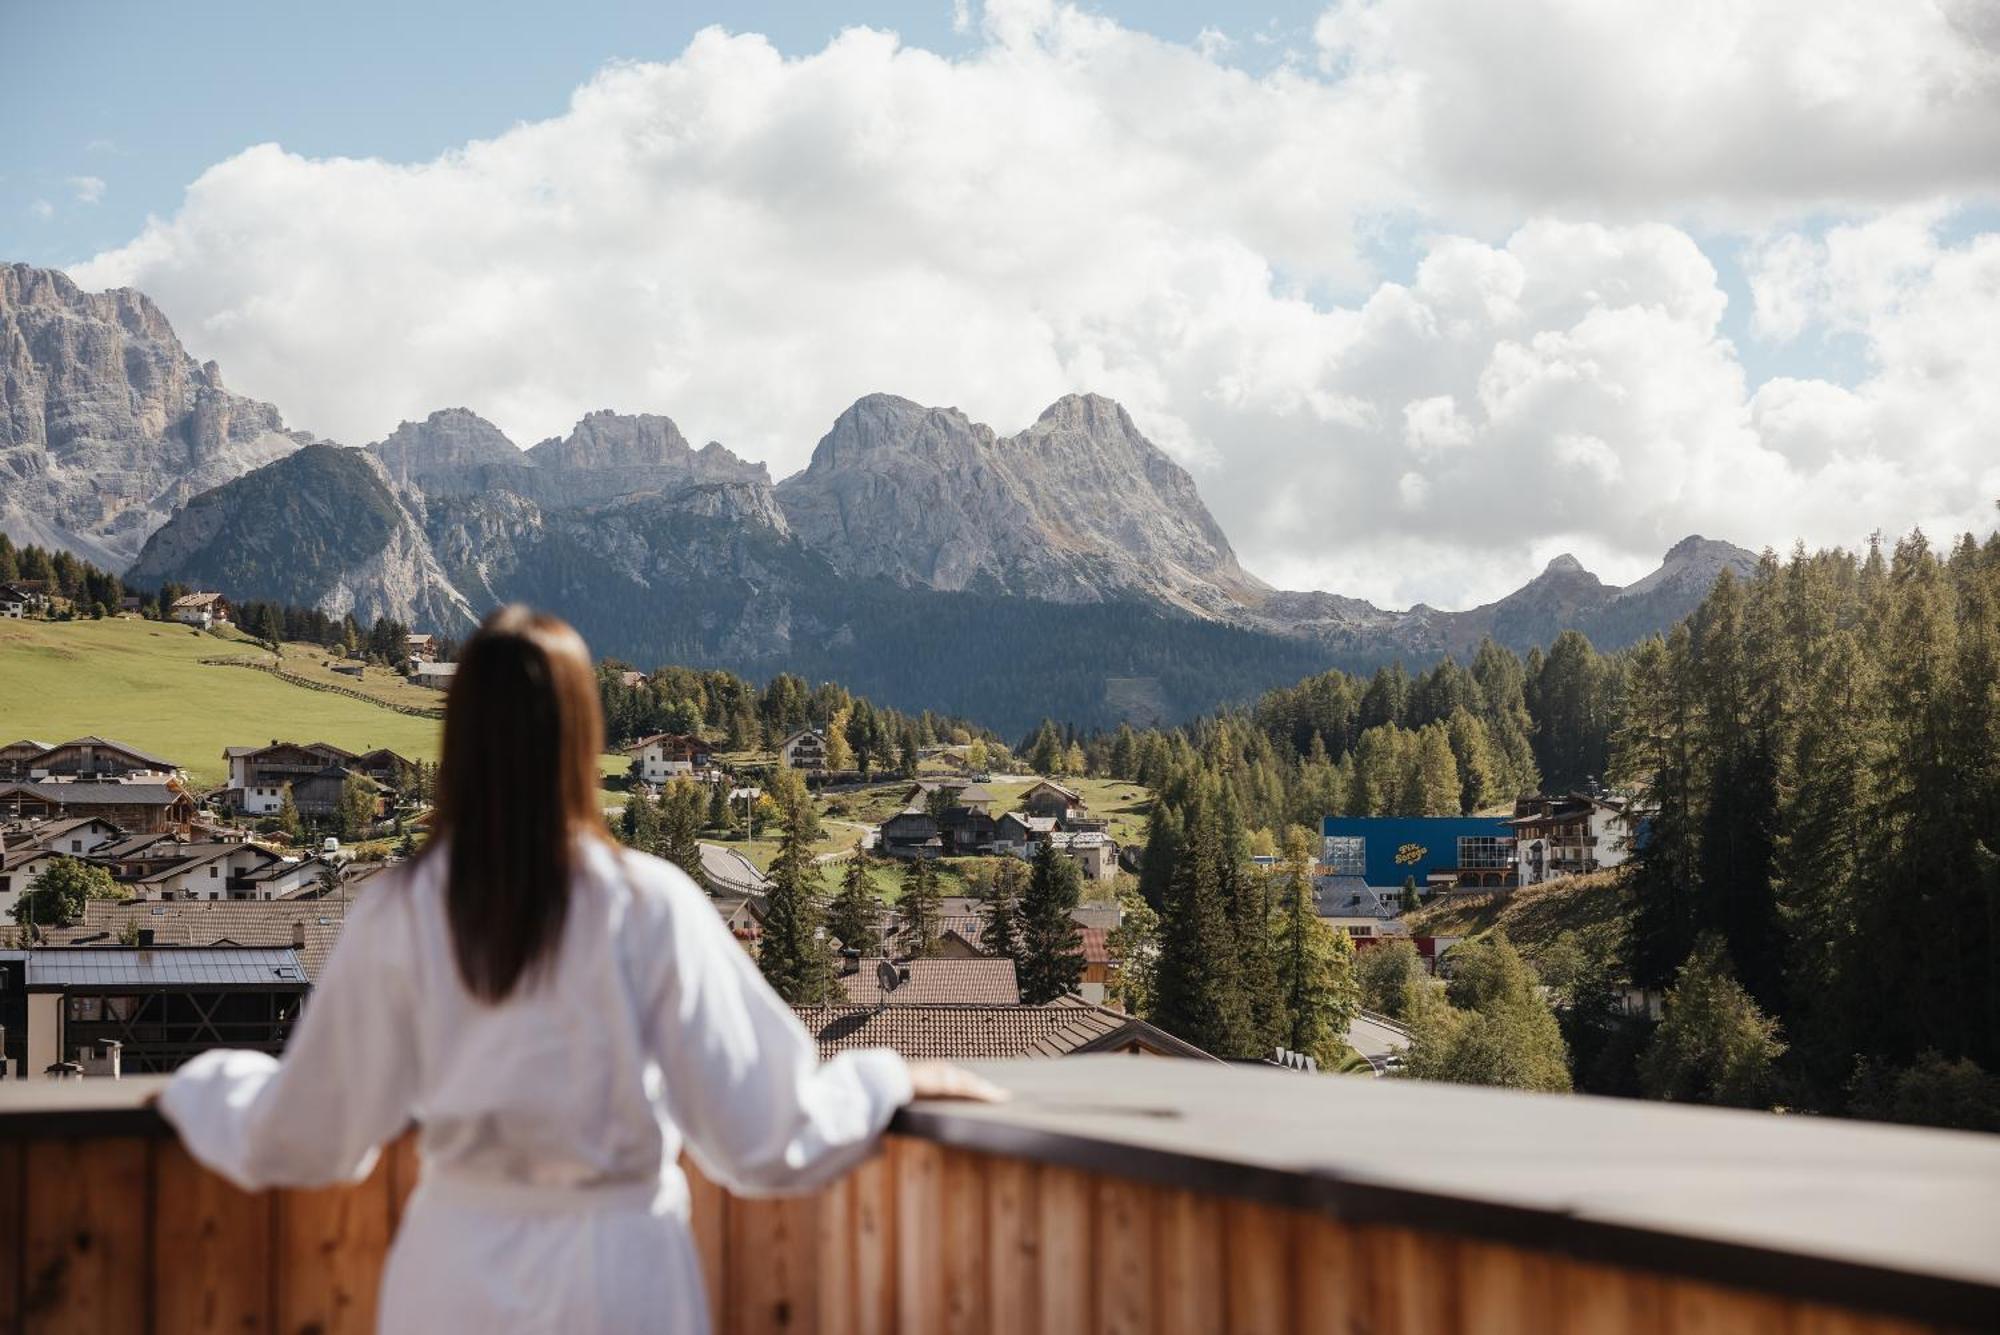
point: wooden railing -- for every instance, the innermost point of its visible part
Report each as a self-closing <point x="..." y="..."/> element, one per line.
<point x="1090" y="1205"/>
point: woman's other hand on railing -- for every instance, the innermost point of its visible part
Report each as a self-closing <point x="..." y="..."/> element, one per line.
<point x="942" y="1080"/>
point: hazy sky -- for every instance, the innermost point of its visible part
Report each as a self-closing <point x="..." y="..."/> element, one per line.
<point x="1422" y="291"/>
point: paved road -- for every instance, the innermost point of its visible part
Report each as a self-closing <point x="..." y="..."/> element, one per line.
<point x="1379" y="1039"/>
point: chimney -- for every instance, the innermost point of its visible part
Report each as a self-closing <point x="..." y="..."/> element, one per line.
<point x="850" y="961"/>
<point x="145" y="938"/>
<point x="298" y="934"/>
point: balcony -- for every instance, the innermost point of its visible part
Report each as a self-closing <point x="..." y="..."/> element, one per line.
<point x="1118" y="1194"/>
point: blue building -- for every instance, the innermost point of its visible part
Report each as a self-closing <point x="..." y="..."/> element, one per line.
<point x="1473" y="852"/>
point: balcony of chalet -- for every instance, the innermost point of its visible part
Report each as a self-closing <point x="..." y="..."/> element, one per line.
<point x="1118" y="1194"/>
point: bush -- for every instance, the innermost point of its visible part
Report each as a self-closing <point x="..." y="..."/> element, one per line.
<point x="1491" y="1028"/>
<point x="1933" y="1091"/>
<point x="1391" y="976"/>
<point x="1715" y="1045"/>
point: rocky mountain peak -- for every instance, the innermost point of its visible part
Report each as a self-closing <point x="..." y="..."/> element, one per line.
<point x="107" y="425"/>
<point x="1691" y="565"/>
<point x="450" y="441"/>
<point x="1564" y="565"/>
<point x="642" y="445"/>
<point x="1079" y="507"/>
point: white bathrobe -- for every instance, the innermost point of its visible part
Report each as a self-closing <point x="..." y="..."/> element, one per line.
<point x="550" y="1199"/>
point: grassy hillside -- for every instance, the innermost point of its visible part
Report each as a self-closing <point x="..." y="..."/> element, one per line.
<point x="1535" y="916"/>
<point x="142" y="682"/>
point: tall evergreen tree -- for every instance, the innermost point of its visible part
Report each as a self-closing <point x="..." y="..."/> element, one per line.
<point x="682" y="809"/>
<point x="918" y="914"/>
<point x="1199" y="996"/>
<point x="792" y="953"/>
<point x="854" y="916"/>
<point x="1002" y="936"/>
<point x="1315" y="963"/>
<point x="1050" y="956"/>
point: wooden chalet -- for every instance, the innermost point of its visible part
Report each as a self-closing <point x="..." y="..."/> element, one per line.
<point x="202" y="608"/>
<point x="136" y="805"/>
<point x="97" y="759"/>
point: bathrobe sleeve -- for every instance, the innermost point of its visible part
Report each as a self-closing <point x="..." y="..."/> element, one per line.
<point x="345" y="1086"/>
<point x="743" y="1078"/>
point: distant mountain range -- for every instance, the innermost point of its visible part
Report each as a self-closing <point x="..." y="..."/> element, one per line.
<point x="1069" y="569"/>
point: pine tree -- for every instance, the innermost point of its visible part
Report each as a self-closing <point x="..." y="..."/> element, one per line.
<point x="1050" y="958"/>
<point x="1163" y="841"/>
<point x="1246" y="892"/>
<point x="792" y="954"/>
<point x="1003" y="908"/>
<point x="1134" y="947"/>
<point x="1198" y="993"/>
<point x="639" y="826"/>
<point x="918" y="913"/>
<point x="287" y="818"/>
<point x="681" y="811"/>
<point x="1714" y="1045"/>
<point x="855" y="913"/>
<point x="1315" y="964"/>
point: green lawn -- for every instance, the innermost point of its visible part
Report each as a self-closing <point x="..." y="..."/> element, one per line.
<point x="142" y="683"/>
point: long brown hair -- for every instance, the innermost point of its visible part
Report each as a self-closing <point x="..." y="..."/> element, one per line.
<point x="516" y="792"/>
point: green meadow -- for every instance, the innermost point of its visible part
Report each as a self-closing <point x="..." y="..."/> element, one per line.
<point x="142" y="683"/>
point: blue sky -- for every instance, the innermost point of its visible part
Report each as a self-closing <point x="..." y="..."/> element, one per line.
<point x="1422" y="292"/>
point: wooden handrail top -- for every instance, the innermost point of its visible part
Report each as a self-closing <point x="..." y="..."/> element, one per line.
<point x="1892" y="1219"/>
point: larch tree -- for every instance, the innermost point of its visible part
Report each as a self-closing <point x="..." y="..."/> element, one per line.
<point x="1315" y="963"/>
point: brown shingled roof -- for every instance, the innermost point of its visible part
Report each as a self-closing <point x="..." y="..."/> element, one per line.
<point x="984" y="981"/>
<point x="242" y="922"/>
<point x="964" y="1033"/>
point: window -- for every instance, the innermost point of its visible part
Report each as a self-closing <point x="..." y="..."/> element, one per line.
<point x="76" y="845"/>
<point x="1361" y="931"/>
<point x="1485" y="852"/>
<point x="211" y="873"/>
<point x="1346" y="854"/>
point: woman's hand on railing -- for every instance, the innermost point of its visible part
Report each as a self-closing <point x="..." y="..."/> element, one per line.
<point x="942" y="1080"/>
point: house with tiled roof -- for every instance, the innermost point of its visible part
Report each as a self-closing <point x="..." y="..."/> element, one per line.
<point x="976" y="981"/>
<point x="951" y="1032"/>
<point x="15" y="756"/>
<point x="203" y="608"/>
<point x="98" y="759"/>
<point x="669" y="755"/>
<point x="308" y="926"/>
<point x="137" y="805"/>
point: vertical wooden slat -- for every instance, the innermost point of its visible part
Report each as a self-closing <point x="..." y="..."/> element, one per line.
<point x="13" y="1233"/>
<point x="920" y="1284"/>
<point x="876" y="1229"/>
<point x="85" y="1253"/>
<point x="1013" y="1235"/>
<point x="1068" y="1267"/>
<point x="211" y="1250"/>
<point x="1704" y="1309"/>
<point x="330" y="1248"/>
<point x="963" y="1224"/>
<point x="1413" y="1287"/>
<point x="708" y="1207"/>
<point x="1332" y="1294"/>
<point x="1127" y="1250"/>
<point x="1257" y="1242"/>
<point x="1190" y="1269"/>
<point x="1594" y="1299"/>
<point x="1504" y="1290"/>
<point x="834" y="1221"/>
<point x="773" y="1280"/>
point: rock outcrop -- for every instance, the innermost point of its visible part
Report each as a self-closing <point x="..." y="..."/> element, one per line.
<point x="107" y="425"/>
<point x="1078" y="508"/>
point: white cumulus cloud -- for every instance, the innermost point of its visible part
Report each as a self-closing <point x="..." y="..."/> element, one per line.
<point x="748" y="242"/>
